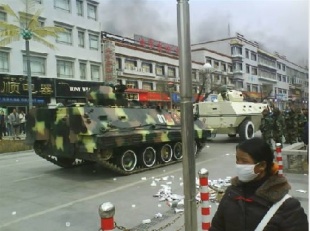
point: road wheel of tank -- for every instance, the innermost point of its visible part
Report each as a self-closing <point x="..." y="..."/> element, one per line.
<point x="165" y="153"/>
<point x="128" y="160"/>
<point x="246" y="130"/>
<point x="232" y="135"/>
<point x="177" y="151"/>
<point x="149" y="157"/>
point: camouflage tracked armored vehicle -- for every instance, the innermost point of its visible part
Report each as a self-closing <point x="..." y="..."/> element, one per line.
<point x="231" y="115"/>
<point x="107" y="131"/>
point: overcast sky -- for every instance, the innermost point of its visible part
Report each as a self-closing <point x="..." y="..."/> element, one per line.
<point x="278" y="25"/>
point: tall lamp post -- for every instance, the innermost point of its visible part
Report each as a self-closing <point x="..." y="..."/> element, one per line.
<point x="170" y="87"/>
<point x="186" y="106"/>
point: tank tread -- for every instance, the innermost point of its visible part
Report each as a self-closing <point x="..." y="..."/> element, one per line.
<point x="115" y="168"/>
<point x="54" y="160"/>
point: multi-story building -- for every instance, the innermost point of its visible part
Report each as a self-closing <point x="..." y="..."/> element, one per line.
<point x="258" y="73"/>
<point x="59" y="74"/>
<point x="149" y="68"/>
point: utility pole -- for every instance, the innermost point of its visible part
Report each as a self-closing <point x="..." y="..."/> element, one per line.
<point x="187" y="118"/>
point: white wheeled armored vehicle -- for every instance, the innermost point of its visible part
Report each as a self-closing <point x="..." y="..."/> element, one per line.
<point x="231" y="115"/>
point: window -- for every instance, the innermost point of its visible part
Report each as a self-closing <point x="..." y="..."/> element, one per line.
<point x="255" y="88"/>
<point x="95" y="72"/>
<point x="230" y="68"/>
<point x="253" y="56"/>
<point x="171" y="72"/>
<point x="216" y="65"/>
<point x="79" y="8"/>
<point x="132" y="84"/>
<point x="82" y="70"/>
<point x="147" y="86"/>
<point x="4" y="61"/>
<point x="237" y="66"/>
<point x="247" y="53"/>
<point x="37" y="65"/>
<point x="236" y="50"/>
<point x="248" y="87"/>
<point x="147" y="67"/>
<point x="239" y="85"/>
<point x="65" y="69"/>
<point x="93" y="42"/>
<point x="2" y="16"/>
<point x="279" y="66"/>
<point x="223" y="67"/>
<point x="254" y="71"/>
<point x="62" y="4"/>
<point x="92" y="11"/>
<point x="283" y="67"/>
<point x="118" y="64"/>
<point x="81" y="38"/>
<point x="65" y="37"/>
<point x="284" y="78"/>
<point x="247" y="68"/>
<point x="194" y="75"/>
<point x="160" y="70"/>
<point x="208" y="61"/>
<point x="131" y="65"/>
<point x="279" y="77"/>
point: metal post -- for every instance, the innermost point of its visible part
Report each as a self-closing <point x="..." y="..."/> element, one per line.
<point x="187" y="118"/>
<point x="279" y="158"/>
<point x="29" y="74"/>
<point x="106" y="213"/>
<point x="204" y="195"/>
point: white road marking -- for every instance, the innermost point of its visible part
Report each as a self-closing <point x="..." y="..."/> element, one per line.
<point x="92" y="197"/>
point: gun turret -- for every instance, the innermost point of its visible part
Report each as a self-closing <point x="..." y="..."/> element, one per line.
<point x="107" y="96"/>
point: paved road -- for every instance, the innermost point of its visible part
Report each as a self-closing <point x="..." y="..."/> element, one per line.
<point x="37" y="195"/>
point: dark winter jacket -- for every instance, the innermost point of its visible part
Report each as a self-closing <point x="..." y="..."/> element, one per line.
<point x="244" y="205"/>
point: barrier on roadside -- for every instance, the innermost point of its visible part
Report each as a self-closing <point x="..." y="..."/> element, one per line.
<point x="204" y="196"/>
<point x="279" y="158"/>
<point x="106" y="213"/>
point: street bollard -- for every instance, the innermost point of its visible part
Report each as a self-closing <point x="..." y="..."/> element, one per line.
<point x="204" y="195"/>
<point x="279" y="158"/>
<point x="106" y="213"/>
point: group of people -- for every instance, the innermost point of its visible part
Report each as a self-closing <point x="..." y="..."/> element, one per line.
<point x="290" y="124"/>
<point x="13" y="124"/>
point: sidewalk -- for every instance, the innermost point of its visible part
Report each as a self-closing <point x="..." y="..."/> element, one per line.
<point x="175" y="222"/>
<point x="22" y="137"/>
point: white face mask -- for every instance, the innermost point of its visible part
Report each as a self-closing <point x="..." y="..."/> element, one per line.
<point x="245" y="172"/>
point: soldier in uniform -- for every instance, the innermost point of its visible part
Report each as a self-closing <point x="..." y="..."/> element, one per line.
<point x="278" y="125"/>
<point x="291" y="126"/>
<point x="266" y="127"/>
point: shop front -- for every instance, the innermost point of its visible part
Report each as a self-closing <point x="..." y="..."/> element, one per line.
<point x="14" y="92"/>
<point x="70" y="91"/>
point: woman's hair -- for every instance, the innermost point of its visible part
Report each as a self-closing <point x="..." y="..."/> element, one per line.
<point x="259" y="150"/>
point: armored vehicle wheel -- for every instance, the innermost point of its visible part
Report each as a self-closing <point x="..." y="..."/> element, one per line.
<point x="128" y="160"/>
<point x="165" y="153"/>
<point x="149" y="157"/>
<point x="246" y="130"/>
<point x="177" y="151"/>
